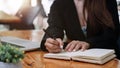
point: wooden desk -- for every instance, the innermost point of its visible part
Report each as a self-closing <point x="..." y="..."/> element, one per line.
<point x="34" y="59"/>
<point x="8" y="19"/>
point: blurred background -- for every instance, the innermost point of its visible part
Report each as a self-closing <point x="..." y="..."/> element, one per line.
<point x="23" y="14"/>
<point x="118" y="3"/>
<point x="26" y="14"/>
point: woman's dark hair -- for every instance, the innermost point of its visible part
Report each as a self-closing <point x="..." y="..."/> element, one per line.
<point x="97" y="12"/>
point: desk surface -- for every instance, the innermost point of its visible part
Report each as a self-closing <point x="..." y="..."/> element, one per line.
<point x="34" y="59"/>
<point x="7" y="19"/>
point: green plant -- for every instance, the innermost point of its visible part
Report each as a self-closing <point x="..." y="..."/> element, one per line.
<point x="10" y="54"/>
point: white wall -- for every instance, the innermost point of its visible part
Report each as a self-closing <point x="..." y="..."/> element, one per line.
<point x="46" y="5"/>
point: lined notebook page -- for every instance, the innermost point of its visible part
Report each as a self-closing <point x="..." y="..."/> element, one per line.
<point x="97" y="54"/>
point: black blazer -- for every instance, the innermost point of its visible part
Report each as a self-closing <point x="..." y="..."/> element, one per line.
<point x="63" y="16"/>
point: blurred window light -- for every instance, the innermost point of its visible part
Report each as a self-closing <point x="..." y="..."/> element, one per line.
<point x="10" y="6"/>
<point x="33" y="3"/>
<point x="46" y="5"/>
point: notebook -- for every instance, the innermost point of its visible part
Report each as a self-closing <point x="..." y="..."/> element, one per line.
<point x="98" y="56"/>
<point x="23" y="44"/>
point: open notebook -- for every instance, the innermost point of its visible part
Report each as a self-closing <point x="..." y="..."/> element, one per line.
<point x="23" y="44"/>
<point x="98" y="56"/>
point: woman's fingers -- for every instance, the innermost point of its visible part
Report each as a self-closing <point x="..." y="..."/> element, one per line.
<point x="52" y="41"/>
<point x="77" y="45"/>
<point x="53" y="45"/>
<point x="60" y="42"/>
<point x="85" y="46"/>
<point x="71" y="46"/>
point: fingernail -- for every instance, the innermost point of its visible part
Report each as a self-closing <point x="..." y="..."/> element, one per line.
<point x="61" y="46"/>
<point x="74" y="50"/>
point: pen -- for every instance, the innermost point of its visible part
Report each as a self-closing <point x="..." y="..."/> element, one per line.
<point x="61" y="46"/>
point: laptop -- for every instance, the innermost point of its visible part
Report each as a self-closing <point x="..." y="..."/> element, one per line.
<point x="23" y="44"/>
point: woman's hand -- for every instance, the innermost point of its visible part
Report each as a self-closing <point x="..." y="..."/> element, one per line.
<point x="77" y="45"/>
<point x="53" y="45"/>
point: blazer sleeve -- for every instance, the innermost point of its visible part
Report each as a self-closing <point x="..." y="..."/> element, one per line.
<point x="112" y="7"/>
<point x="55" y="22"/>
